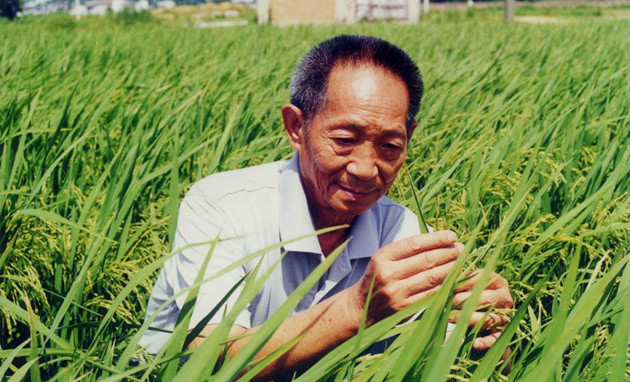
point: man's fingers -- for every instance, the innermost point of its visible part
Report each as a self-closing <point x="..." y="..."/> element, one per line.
<point x="489" y="298"/>
<point x="427" y="280"/>
<point x="419" y="296"/>
<point x="485" y="342"/>
<point x="491" y="321"/>
<point x="470" y="282"/>
<point x="495" y="281"/>
<point x="429" y="259"/>
<point x="419" y="243"/>
<point x="496" y="293"/>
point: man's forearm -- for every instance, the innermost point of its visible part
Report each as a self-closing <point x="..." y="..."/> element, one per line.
<point x="325" y="326"/>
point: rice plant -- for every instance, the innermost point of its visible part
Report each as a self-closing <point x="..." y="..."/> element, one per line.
<point x="522" y="148"/>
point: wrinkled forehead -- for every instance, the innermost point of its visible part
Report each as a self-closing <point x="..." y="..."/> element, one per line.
<point x="366" y="83"/>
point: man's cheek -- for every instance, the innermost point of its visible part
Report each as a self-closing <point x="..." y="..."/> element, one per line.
<point x="389" y="177"/>
<point x="330" y="167"/>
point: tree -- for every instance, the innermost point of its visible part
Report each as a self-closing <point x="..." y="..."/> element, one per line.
<point x="9" y="8"/>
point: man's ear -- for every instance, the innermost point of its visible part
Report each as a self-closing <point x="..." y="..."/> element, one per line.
<point x="293" y="120"/>
<point x="412" y="128"/>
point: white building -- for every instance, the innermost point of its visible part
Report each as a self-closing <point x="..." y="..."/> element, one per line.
<point x="142" y="5"/>
<point x="336" y="11"/>
<point x="119" y="5"/>
<point x="167" y="4"/>
<point x="381" y="9"/>
<point x="78" y="11"/>
<point x="100" y="9"/>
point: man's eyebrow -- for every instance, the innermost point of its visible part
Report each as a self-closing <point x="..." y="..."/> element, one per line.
<point x="346" y="126"/>
<point x="393" y="133"/>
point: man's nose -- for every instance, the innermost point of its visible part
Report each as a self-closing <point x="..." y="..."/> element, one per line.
<point x="363" y="163"/>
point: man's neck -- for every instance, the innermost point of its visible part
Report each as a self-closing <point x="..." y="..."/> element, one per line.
<point x="327" y="217"/>
<point x="330" y="240"/>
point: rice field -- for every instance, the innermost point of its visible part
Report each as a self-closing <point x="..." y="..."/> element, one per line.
<point x="522" y="148"/>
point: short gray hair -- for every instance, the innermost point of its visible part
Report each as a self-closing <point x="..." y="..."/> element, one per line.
<point x="309" y="81"/>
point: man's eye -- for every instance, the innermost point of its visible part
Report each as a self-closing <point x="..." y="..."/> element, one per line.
<point x="343" y="141"/>
<point x="392" y="147"/>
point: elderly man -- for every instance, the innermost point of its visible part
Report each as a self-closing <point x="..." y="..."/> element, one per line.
<point x="351" y="116"/>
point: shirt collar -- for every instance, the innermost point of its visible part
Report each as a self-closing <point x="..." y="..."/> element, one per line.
<point x="295" y="219"/>
<point x="365" y="234"/>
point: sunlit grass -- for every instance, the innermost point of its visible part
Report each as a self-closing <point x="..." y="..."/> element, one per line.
<point x="522" y="148"/>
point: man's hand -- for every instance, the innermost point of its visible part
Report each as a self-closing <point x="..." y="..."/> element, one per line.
<point x="408" y="270"/>
<point x="404" y="272"/>
<point x="495" y="296"/>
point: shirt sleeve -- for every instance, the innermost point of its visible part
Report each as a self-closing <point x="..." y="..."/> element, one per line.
<point x="199" y="221"/>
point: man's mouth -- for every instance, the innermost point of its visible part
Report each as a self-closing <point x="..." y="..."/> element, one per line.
<point x="356" y="192"/>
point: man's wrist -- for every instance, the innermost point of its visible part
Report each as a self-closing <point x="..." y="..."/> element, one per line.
<point x="352" y="308"/>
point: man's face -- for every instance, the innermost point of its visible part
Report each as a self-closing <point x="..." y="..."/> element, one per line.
<point x="352" y="150"/>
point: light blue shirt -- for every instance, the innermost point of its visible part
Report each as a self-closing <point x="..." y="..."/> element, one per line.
<point x="256" y="207"/>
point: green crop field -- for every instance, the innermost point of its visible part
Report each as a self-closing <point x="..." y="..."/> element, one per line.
<point x="522" y="148"/>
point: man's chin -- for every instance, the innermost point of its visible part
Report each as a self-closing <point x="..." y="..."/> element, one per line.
<point x="353" y="207"/>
